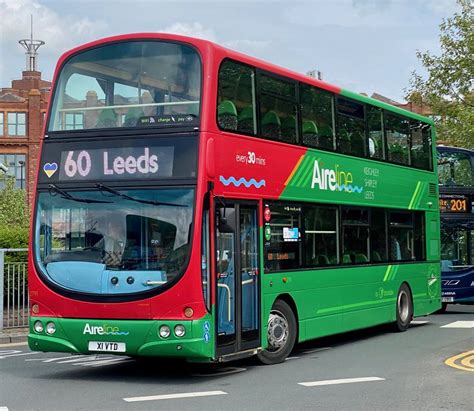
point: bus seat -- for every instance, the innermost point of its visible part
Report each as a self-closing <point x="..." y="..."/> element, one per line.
<point x="132" y="117"/>
<point x="361" y="258"/>
<point x="227" y="115"/>
<point x="325" y="137"/>
<point x="346" y="259"/>
<point x="107" y="118"/>
<point x="288" y="129"/>
<point x="246" y="121"/>
<point x="323" y="260"/>
<point x="357" y="145"/>
<point x="376" y="257"/>
<point x="310" y="134"/>
<point x="344" y="142"/>
<point x="271" y="126"/>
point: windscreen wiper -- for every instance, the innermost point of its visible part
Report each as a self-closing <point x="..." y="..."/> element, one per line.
<point x="110" y="190"/>
<point x="64" y="194"/>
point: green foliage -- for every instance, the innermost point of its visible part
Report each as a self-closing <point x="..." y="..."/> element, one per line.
<point x="448" y="89"/>
<point x="13" y="205"/>
<point x="14" y="220"/>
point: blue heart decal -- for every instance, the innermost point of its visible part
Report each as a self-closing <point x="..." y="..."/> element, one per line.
<point x="50" y="169"/>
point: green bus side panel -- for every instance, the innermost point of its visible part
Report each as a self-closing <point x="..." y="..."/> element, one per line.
<point x="334" y="300"/>
<point x="335" y="178"/>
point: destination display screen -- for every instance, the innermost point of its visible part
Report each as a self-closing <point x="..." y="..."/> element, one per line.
<point x="130" y="159"/>
<point x="454" y="204"/>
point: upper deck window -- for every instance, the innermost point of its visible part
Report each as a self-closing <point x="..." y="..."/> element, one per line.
<point x="455" y="168"/>
<point x="128" y="84"/>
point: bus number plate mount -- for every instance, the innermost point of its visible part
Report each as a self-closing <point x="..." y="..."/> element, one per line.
<point x="106" y="346"/>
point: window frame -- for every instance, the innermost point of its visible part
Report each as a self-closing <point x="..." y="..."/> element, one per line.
<point x="415" y="215"/>
<point x="384" y="113"/>
<point x="16" y="124"/>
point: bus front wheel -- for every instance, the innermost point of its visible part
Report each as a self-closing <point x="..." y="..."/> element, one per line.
<point x="404" y="308"/>
<point x="281" y="334"/>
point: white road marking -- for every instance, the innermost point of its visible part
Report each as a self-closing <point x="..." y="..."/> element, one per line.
<point x="15" y="353"/>
<point x="56" y="359"/>
<point x="459" y="324"/>
<point x="175" y="396"/>
<point x="101" y="363"/>
<point x="3" y="408"/>
<point x="416" y="322"/>
<point x="82" y="359"/>
<point x="341" y="381"/>
<point x="291" y="358"/>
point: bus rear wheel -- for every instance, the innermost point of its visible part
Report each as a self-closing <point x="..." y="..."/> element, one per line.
<point x="404" y="309"/>
<point x="281" y="334"/>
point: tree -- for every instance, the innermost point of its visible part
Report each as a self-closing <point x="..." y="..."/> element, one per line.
<point x="14" y="218"/>
<point x="448" y="89"/>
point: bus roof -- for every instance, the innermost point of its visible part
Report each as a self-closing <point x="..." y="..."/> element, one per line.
<point x="203" y="45"/>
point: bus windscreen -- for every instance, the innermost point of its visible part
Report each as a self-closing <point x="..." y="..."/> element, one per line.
<point x="128" y="84"/>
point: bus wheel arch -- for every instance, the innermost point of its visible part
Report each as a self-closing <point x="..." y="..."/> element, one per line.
<point x="403" y="308"/>
<point x="282" y="331"/>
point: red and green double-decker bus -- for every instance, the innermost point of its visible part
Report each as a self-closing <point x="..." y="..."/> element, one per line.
<point x="196" y="202"/>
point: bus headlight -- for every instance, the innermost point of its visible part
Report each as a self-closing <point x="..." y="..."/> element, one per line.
<point x="50" y="328"/>
<point x="165" y="331"/>
<point x="38" y="326"/>
<point x="179" y="330"/>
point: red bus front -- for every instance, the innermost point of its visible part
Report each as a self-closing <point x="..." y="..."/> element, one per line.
<point x="119" y="260"/>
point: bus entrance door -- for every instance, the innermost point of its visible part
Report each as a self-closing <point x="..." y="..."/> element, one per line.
<point x="238" y="282"/>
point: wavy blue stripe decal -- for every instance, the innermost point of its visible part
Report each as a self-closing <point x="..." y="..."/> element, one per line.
<point x="350" y="188"/>
<point x="240" y="181"/>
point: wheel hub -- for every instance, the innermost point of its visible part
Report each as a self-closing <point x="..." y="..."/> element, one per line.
<point x="403" y="306"/>
<point x="277" y="330"/>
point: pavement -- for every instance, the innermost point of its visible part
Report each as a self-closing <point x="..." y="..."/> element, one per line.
<point x="13" y="335"/>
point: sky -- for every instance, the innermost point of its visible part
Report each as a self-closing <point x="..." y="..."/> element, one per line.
<point x="361" y="45"/>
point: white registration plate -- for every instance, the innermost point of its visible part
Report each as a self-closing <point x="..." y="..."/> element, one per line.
<point x="447" y="299"/>
<point x="106" y="346"/>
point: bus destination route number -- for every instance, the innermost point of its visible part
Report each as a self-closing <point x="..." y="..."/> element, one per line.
<point x="453" y="204"/>
<point x="116" y="163"/>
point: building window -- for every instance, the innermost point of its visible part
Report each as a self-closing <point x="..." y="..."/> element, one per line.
<point x="74" y="121"/>
<point x="17" y="124"/>
<point x="1" y="124"/>
<point x="16" y="164"/>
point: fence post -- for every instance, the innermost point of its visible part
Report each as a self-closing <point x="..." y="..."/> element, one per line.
<point x="2" y="270"/>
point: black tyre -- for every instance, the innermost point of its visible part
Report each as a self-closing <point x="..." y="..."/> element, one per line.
<point x="281" y="334"/>
<point x="404" y="307"/>
<point x="443" y="308"/>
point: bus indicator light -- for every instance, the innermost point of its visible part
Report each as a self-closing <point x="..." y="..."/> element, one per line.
<point x="35" y="309"/>
<point x="188" y="312"/>
<point x="267" y="214"/>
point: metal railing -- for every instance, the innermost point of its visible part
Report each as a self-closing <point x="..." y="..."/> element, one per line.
<point x="14" y="301"/>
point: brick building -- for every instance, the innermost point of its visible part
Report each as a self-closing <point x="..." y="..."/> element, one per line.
<point x="22" y="112"/>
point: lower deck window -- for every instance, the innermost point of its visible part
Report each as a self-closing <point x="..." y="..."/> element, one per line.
<point x="298" y="236"/>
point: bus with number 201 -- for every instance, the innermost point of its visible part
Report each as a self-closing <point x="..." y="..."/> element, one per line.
<point x="195" y="202"/>
<point x="456" y="203"/>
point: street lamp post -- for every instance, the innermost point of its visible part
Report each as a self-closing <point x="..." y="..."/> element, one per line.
<point x="22" y="164"/>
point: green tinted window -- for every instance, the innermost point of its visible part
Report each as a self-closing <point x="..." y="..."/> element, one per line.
<point x="317" y="107"/>
<point x="236" y="98"/>
<point x="278" y="109"/>
<point x="351" y="137"/>
<point x="420" y="145"/>
<point x="320" y="236"/>
<point x="375" y="124"/>
<point x="397" y="130"/>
